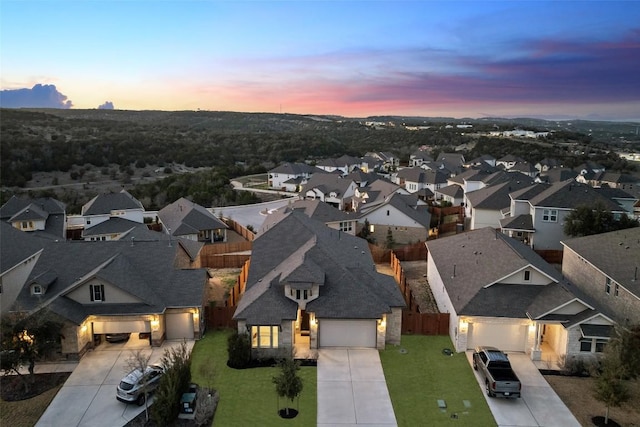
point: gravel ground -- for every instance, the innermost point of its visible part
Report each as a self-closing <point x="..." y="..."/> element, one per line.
<point x="415" y="272"/>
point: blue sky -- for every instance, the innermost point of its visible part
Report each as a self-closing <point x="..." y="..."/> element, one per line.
<point x="460" y="59"/>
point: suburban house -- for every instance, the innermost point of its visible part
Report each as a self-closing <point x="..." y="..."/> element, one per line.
<point x="329" y="188"/>
<point x="547" y="207"/>
<point x="501" y="293"/>
<point x="343" y="164"/>
<point x="453" y="194"/>
<point x="453" y="162"/>
<point x="509" y="161"/>
<point x="103" y="207"/>
<point x="186" y="219"/>
<point x="525" y="168"/>
<point x="317" y="210"/>
<point x="419" y="158"/>
<point x="406" y="216"/>
<point x="610" y="179"/>
<point x="98" y="288"/>
<point x="607" y="268"/>
<point x="547" y="164"/>
<point x="482" y="160"/>
<point x="589" y="169"/>
<point x="554" y="175"/>
<point x="290" y="176"/>
<point x="487" y="205"/>
<point x="311" y="287"/>
<point x="416" y="178"/>
<point x="43" y="215"/>
<point x="116" y="229"/>
<point x="19" y="252"/>
<point x="374" y="193"/>
<point x="390" y="161"/>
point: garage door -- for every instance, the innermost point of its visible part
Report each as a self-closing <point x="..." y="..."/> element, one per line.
<point x="507" y="337"/>
<point x="115" y="327"/>
<point x="179" y="325"/>
<point x="347" y="333"/>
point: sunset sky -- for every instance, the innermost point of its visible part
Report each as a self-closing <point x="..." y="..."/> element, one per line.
<point x="556" y="59"/>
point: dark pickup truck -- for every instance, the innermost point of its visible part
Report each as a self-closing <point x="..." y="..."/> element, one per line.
<point x="499" y="378"/>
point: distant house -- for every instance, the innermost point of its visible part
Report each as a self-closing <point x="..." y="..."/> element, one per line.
<point x="453" y="194"/>
<point x="344" y="164"/>
<point x="289" y="176"/>
<point x="329" y="188"/>
<point x="318" y="211"/>
<point x="43" y="215"/>
<point x="547" y="164"/>
<point x="116" y="229"/>
<point x="311" y="287"/>
<point x="419" y="158"/>
<point x="551" y="176"/>
<point x="112" y="205"/>
<point x="610" y="179"/>
<point x="390" y="161"/>
<point x="500" y="293"/>
<point x="509" y="161"/>
<point x="406" y="216"/>
<point x="524" y="168"/>
<point x="374" y="193"/>
<point x="485" y="159"/>
<point x="186" y="219"/>
<point x="416" y="178"/>
<point x="547" y="207"/>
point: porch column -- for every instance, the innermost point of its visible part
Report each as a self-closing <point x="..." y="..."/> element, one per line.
<point x="536" y="353"/>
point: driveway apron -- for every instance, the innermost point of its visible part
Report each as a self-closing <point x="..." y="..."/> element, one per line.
<point x="539" y="404"/>
<point x="352" y="389"/>
<point x="88" y="397"/>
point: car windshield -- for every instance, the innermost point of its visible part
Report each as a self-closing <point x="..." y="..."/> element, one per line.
<point x="125" y="385"/>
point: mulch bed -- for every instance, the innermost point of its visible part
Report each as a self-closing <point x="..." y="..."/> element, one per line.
<point x="12" y="386"/>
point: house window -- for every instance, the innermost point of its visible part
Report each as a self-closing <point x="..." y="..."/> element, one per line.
<point x="264" y="336"/>
<point x="346" y="226"/>
<point x="305" y="294"/>
<point x="96" y="292"/>
<point x="297" y="293"/>
<point x="550" y="215"/>
<point x="607" y="286"/>
<point x="37" y="290"/>
<point x="527" y="276"/>
<point x="387" y="212"/>
<point x="616" y="289"/>
<point x="592" y="345"/>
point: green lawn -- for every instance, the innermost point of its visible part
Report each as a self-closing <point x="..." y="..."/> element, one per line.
<point x="418" y="378"/>
<point x="247" y="396"/>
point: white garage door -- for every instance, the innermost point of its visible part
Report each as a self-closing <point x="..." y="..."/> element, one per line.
<point x="115" y="327"/>
<point x="507" y="337"/>
<point x="179" y="325"/>
<point x="347" y="333"/>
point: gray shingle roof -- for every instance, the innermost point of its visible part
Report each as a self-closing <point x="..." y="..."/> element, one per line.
<point x="352" y="288"/>
<point x="481" y="258"/>
<point x="570" y="195"/>
<point x="405" y="204"/>
<point x="112" y="225"/>
<point x="16" y="246"/>
<point x="315" y="209"/>
<point x="183" y="217"/>
<point x="295" y="169"/>
<point x="522" y="222"/>
<point x="327" y="183"/>
<point x="496" y="197"/>
<point x="144" y="270"/>
<point x="52" y="210"/>
<point x="453" y="190"/>
<point x="103" y="204"/>
<point x="616" y="254"/>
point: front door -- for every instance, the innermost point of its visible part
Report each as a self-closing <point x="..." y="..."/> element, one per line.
<point x="304" y="323"/>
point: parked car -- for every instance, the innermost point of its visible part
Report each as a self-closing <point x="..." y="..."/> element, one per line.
<point x="131" y="388"/>
<point x="499" y="378"/>
<point x="117" y="337"/>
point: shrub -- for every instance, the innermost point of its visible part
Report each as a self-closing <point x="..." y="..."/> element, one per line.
<point x="176" y="379"/>
<point x="239" y="350"/>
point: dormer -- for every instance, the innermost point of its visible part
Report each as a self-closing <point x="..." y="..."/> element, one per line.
<point x="302" y="284"/>
<point x="39" y="285"/>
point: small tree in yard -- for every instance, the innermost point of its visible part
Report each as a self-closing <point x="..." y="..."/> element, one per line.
<point x="138" y="360"/>
<point x="610" y="387"/>
<point x="390" y="240"/>
<point x="175" y="381"/>
<point x="26" y="339"/>
<point x="288" y="383"/>
<point x="239" y="350"/>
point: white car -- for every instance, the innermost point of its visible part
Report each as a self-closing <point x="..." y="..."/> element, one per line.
<point x="131" y="387"/>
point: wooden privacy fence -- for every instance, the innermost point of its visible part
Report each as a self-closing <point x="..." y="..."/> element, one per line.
<point x="551" y="256"/>
<point x="238" y="289"/>
<point x="220" y="317"/>
<point x="240" y="229"/>
<point x="225" y="255"/>
<point x="425" y="323"/>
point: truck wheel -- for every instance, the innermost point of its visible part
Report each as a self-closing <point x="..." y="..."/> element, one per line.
<point x="475" y="365"/>
<point x="488" y="387"/>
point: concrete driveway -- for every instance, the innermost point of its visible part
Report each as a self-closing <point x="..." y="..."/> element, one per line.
<point x="88" y="397"/>
<point x="352" y="389"/>
<point x="539" y="404"/>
